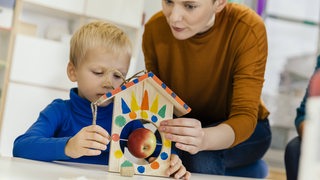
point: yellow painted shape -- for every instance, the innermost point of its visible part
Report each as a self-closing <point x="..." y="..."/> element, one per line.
<point x="118" y="154"/>
<point x="134" y="103"/>
<point x="154" y="106"/>
<point x="144" y="115"/>
<point x="167" y="143"/>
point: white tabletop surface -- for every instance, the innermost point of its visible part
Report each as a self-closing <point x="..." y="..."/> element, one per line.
<point x="17" y="168"/>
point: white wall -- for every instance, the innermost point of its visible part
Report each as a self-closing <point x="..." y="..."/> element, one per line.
<point x="150" y="8"/>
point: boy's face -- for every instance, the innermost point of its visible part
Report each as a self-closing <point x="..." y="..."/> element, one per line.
<point x="98" y="73"/>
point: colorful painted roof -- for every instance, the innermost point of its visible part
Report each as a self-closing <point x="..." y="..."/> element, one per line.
<point x="180" y="107"/>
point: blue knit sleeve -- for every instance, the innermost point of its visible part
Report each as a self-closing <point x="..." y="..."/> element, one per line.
<point x="38" y="142"/>
<point x="301" y="110"/>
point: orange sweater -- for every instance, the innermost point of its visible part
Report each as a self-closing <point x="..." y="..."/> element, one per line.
<point x="219" y="73"/>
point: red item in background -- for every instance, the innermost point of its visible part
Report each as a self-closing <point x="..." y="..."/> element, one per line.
<point x="314" y="88"/>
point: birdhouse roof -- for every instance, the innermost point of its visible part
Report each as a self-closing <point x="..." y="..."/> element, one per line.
<point x="180" y="107"/>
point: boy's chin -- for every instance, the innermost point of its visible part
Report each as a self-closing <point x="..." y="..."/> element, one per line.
<point x="104" y="104"/>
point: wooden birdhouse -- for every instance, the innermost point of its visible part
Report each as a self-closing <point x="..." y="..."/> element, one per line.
<point x="144" y="98"/>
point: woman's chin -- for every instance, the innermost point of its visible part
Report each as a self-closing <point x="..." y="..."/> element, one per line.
<point x="181" y="36"/>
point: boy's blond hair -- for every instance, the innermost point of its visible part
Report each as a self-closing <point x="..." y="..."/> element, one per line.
<point x="98" y="34"/>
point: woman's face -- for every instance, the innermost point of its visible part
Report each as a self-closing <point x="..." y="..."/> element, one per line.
<point x="189" y="17"/>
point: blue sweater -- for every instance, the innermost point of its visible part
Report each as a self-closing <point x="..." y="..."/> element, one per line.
<point x="301" y="110"/>
<point x="46" y="139"/>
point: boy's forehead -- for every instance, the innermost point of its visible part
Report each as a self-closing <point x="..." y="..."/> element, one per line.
<point x="120" y="60"/>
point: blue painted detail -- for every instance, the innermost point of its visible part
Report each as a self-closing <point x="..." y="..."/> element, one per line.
<point x="150" y="74"/>
<point x="109" y="94"/>
<point x="135" y="81"/>
<point x="141" y="169"/>
<point x="164" y="156"/>
<point x="154" y="118"/>
<point x="125" y="108"/>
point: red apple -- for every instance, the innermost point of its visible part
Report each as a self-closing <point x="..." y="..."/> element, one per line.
<point x="142" y="142"/>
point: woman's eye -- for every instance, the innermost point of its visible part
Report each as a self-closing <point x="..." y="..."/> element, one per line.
<point x="190" y="6"/>
<point x="168" y="1"/>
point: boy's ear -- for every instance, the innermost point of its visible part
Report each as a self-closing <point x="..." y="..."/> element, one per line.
<point x="71" y="71"/>
<point x="221" y="4"/>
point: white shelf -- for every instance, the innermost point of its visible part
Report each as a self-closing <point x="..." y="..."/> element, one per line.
<point x="124" y="12"/>
<point x="23" y="104"/>
<point x="65" y="17"/>
<point x="51" y="7"/>
<point x="6" y="15"/>
<point x="47" y="68"/>
<point x="299" y="10"/>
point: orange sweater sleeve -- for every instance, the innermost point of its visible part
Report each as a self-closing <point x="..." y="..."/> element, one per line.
<point x="248" y="81"/>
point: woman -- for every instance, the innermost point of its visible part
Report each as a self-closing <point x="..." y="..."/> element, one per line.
<point x="213" y="55"/>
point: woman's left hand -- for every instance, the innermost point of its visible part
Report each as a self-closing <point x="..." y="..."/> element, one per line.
<point x="186" y="132"/>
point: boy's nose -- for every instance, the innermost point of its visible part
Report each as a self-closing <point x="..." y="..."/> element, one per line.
<point x="107" y="82"/>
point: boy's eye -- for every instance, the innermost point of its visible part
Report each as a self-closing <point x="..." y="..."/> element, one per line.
<point x="118" y="75"/>
<point x="97" y="72"/>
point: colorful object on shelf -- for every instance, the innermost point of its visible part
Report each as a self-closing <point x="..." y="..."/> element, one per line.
<point x="261" y="6"/>
<point x="143" y="98"/>
<point x="258" y="5"/>
<point x="314" y="89"/>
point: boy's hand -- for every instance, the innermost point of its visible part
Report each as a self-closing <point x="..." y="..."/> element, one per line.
<point x="89" y="141"/>
<point x="177" y="169"/>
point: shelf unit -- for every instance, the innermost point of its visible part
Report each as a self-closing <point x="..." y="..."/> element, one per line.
<point x="6" y="16"/>
<point x="4" y="39"/>
<point x="38" y="53"/>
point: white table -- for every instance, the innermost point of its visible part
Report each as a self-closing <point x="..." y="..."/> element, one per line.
<point x="18" y="168"/>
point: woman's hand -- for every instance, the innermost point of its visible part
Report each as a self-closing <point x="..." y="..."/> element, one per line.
<point x="89" y="141"/>
<point x="186" y="132"/>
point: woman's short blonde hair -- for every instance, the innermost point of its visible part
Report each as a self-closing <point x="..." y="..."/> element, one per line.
<point x="98" y="34"/>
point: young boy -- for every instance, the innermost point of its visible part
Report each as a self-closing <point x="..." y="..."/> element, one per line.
<point x="99" y="59"/>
